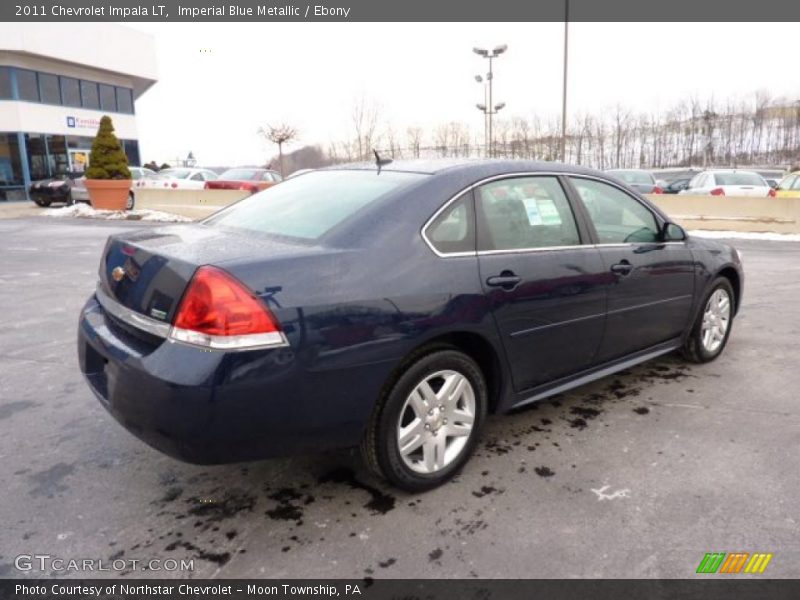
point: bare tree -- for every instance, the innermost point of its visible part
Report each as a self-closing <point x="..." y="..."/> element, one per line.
<point x="280" y="135"/>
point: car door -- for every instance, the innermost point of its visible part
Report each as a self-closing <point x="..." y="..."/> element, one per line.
<point x="545" y="286"/>
<point x="650" y="295"/>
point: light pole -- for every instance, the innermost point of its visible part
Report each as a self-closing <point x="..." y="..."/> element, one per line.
<point x="490" y="109"/>
<point x="482" y="108"/>
<point x="564" y="90"/>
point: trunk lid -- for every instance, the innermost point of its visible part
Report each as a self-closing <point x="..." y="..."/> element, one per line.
<point x="147" y="271"/>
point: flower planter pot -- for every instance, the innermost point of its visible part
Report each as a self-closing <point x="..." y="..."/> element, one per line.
<point x="108" y="194"/>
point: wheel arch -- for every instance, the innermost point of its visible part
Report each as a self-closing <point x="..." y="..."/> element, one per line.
<point x="474" y="345"/>
<point x="732" y="275"/>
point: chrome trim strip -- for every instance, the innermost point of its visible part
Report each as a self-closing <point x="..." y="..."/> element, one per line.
<point x="132" y="318"/>
<point x="231" y="343"/>
<point x="514" y="175"/>
<point x="647" y="304"/>
<point x="559" y="324"/>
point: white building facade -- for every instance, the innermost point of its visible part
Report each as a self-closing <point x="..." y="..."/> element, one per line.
<point x="56" y="82"/>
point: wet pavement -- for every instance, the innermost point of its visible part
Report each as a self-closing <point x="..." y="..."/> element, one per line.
<point x="637" y="475"/>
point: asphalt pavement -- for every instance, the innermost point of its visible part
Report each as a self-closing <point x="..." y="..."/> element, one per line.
<point x="637" y="475"/>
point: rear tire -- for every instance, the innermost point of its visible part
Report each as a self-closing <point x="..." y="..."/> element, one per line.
<point x="42" y="203"/>
<point x="711" y="330"/>
<point x="435" y="408"/>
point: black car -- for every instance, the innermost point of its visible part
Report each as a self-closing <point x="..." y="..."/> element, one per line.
<point x="677" y="185"/>
<point x="392" y="307"/>
<point x="58" y="188"/>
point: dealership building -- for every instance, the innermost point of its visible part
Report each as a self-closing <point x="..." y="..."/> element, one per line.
<point x="56" y="82"/>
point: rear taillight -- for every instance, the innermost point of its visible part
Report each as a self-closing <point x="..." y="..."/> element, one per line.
<point x="173" y="185"/>
<point x="206" y="186"/>
<point x="218" y="312"/>
<point x="717" y="192"/>
<point x="657" y="190"/>
<point x="771" y="193"/>
<point x="247" y="187"/>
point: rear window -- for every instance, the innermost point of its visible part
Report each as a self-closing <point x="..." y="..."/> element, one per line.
<point x="738" y="179"/>
<point x="633" y="176"/>
<point x="174" y="174"/>
<point x="308" y="207"/>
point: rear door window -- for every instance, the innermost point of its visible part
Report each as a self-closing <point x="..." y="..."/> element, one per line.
<point x="524" y="213"/>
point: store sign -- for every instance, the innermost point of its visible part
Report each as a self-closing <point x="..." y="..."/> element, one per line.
<point x="81" y="123"/>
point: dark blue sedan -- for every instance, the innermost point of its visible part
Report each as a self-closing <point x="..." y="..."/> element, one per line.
<point x="392" y="307"/>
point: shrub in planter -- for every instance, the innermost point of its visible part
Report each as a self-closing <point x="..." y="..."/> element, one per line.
<point x="108" y="178"/>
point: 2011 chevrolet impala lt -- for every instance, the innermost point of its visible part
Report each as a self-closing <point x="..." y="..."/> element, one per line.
<point x="392" y="306"/>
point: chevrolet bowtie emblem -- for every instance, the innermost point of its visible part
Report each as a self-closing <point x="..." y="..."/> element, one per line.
<point x="117" y="273"/>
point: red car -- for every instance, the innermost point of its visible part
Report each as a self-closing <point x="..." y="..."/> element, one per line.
<point x="253" y="180"/>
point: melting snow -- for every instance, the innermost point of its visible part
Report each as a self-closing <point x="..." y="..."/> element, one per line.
<point x="747" y="235"/>
<point x="87" y="212"/>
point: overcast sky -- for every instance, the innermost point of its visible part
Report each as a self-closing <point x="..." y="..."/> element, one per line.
<point x="218" y="83"/>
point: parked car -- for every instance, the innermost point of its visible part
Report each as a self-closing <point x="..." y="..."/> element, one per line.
<point x="729" y="182"/>
<point x="639" y="179"/>
<point x="252" y="180"/>
<point x="789" y="186"/>
<point x="394" y="318"/>
<point x="676" y="186"/>
<point x="139" y="175"/>
<point x="58" y="189"/>
<point x="771" y="176"/>
<point x="180" y="178"/>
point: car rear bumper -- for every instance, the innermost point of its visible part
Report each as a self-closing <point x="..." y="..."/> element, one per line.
<point x="212" y="407"/>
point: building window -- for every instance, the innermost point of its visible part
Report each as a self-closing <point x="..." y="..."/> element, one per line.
<point x="5" y="82"/>
<point x="48" y="88"/>
<point x="10" y="163"/>
<point x="37" y="156"/>
<point x="108" y="100"/>
<point x="124" y="100"/>
<point x="131" y="148"/>
<point x="27" y="86"/>
<point x="89" y="95"/>
<point x="70" y="92"/>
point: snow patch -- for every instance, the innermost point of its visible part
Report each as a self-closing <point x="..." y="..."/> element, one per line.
<point x="601" y="493"/>
<point x="747" y="235"/>
<point x="84" y="211"/>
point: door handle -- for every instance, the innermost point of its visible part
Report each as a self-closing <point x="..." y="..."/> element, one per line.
<point x="507" y="280"/>
<point x="622" y="268"/>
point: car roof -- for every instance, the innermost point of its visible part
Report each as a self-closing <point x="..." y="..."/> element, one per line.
<point x="487" y="166"/>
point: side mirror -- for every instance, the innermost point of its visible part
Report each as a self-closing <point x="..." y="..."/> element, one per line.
<point x="671" y="232"/>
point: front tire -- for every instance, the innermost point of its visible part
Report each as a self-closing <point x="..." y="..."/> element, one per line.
<point x="131" y="201"/>
<point x="711" y="330"/>
<point x="42" y="203"/>
<point x="426" y="425"/>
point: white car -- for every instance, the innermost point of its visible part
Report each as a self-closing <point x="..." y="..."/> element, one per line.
<point x="728" y="182"/>
<point x="181" y="178"/>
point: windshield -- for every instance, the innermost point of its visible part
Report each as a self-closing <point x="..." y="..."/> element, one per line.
<point x="633" y="176"/>
<point x="742" y="178"/>
<point x="241" y="174"/>
<point x="307" y="207"/>
<point x="174" y="174"/>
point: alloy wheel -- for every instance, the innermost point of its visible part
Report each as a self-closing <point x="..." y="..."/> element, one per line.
<point x="436" y="421"/>
<point x="716" y="319"/>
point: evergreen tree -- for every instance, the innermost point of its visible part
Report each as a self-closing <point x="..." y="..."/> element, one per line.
<point x="107" y="159"/>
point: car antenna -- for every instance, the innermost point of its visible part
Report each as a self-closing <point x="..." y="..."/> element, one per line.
<point x="380" y="162"/>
